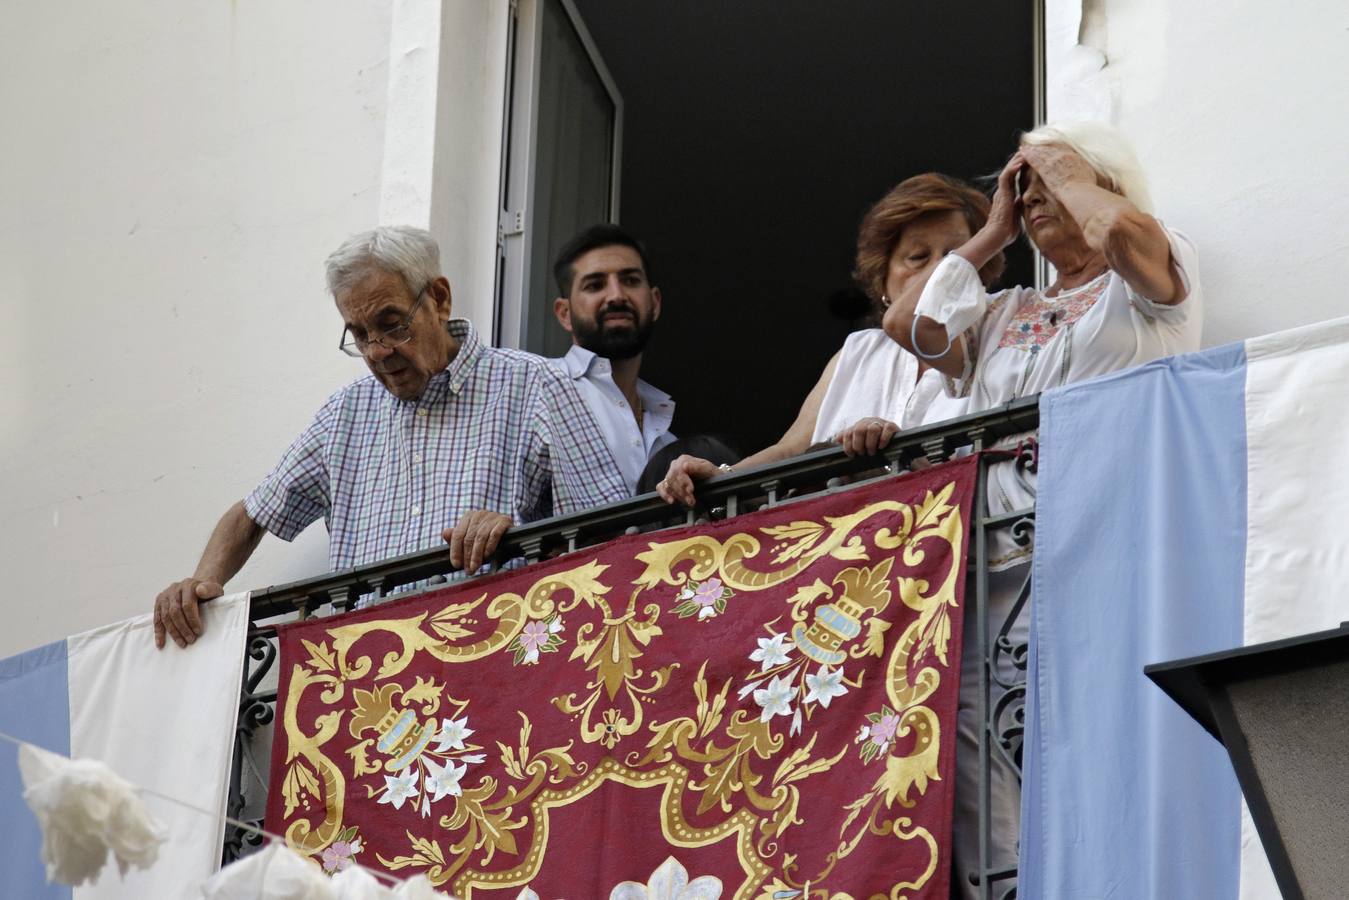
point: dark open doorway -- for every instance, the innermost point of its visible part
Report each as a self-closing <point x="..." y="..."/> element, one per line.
<point x="757" y="134"/>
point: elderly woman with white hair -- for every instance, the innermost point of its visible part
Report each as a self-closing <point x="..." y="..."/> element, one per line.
<point x="1126" y="287"/>
<point x="1125" y="291"/>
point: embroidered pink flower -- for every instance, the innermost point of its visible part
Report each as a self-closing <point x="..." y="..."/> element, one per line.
<point x="338" y="857"/>
<point x="877" y="737"/>
<point x="705" y="599"/>
<point x="535" y="636"/>
<point x="883" y="732"/>
<point x="1038" y="320"/>
<point x="706" y="596"/>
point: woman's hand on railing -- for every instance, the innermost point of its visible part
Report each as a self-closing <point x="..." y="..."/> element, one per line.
<point x="867" y="437"/>
<point x="677" y="485"/>
<point x="176" y="610"/>
<point x="474" y="538"/>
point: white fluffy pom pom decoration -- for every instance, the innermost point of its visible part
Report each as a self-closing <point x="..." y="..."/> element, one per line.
<point x="86" y="810"/>
<point x="278" y="873"/>
<point x="273" y="873"/>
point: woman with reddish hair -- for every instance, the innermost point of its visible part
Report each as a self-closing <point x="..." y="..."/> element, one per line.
<point x="872" y="387"/>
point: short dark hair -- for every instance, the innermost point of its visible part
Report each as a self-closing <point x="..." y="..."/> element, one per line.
<point x="596" y="236"/>
<point x="710" y="447"/>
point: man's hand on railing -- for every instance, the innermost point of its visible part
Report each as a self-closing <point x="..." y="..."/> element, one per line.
<point x="474" y="538"/>
<point x="177" y="613"/>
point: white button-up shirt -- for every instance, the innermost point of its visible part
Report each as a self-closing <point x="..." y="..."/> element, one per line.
<point x="632" y="447"/>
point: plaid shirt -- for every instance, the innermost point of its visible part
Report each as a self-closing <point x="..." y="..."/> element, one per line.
<point x="498" y="430"/>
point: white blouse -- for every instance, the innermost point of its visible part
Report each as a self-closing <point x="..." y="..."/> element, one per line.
<point x="1019" y="342"/>
<point x="877" y="377"/>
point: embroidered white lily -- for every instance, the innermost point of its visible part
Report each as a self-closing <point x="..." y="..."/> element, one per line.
<point x="772" y="652"/>
<point x="398" y="788"/>
<point x="825" y="686"/>
<point x="443" y="781"/>
<point x="776" y="699"/>
<point x="452" y="734"/>
<point x="669" y="882"/>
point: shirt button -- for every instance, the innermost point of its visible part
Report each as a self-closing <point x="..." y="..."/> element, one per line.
<point x="618" y="403"/>
<point x="416" y="510"/>
<point x="421" y="411"/>
<point x="416" y="457"/>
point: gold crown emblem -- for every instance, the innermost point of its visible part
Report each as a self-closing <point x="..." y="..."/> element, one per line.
<point x="400" y="735"/>
<point x="832" y="626"/>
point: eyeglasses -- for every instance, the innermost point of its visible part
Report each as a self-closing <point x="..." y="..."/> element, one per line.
<point x="396" y="336"/>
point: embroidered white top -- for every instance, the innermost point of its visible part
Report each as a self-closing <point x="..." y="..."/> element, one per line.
<point x="1019" y="342"/>
<point x="632" y="447"/>
<point x="877" y="377"/>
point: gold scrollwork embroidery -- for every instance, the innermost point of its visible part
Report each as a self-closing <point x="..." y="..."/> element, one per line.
<point x="728" y="763"/>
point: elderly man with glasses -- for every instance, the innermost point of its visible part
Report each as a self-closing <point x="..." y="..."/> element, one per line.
<point x="447" y="438"/>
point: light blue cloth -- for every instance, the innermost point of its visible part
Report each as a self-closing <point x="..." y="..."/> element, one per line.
<point x="34" y="707"/>
<point x="1139" y="558"/>
<point x="108" y="695"/>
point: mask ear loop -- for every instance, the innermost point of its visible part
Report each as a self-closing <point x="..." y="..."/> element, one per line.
<point x="913" y="340"/>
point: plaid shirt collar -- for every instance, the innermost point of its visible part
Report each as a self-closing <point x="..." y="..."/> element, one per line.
<point x="452" y="378"/>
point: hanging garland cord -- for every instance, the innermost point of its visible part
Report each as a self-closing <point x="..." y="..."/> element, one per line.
<point x="383" y="877"/>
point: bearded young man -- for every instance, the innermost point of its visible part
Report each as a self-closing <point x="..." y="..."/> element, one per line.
<point x="609" y="306"/>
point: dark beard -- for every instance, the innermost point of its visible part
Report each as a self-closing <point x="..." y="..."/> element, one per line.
<point x="613" y="343"/>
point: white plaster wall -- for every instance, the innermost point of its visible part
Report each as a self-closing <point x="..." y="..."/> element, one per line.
<point x="172" y="175"/>
<point x="1237" y="108"/>
<point x="1238" y="111"/>
<point x="442" y="153"/>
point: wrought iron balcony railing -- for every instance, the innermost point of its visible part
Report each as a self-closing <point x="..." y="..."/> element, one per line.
<point x="1001" y="655"/>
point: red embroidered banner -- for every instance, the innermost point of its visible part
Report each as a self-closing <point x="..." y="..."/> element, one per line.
<point x="759" y="708"/>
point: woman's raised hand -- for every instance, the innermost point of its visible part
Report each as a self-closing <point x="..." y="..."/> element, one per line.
<point x="1004" y="219"/>
<point x="867" y="436"/>
<point x="677" y="485"/>
<point x="1057" y="166"/>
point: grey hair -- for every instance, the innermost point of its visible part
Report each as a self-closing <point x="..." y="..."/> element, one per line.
<point x="1106" y="150"/>
<point x="411" y="253"/>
